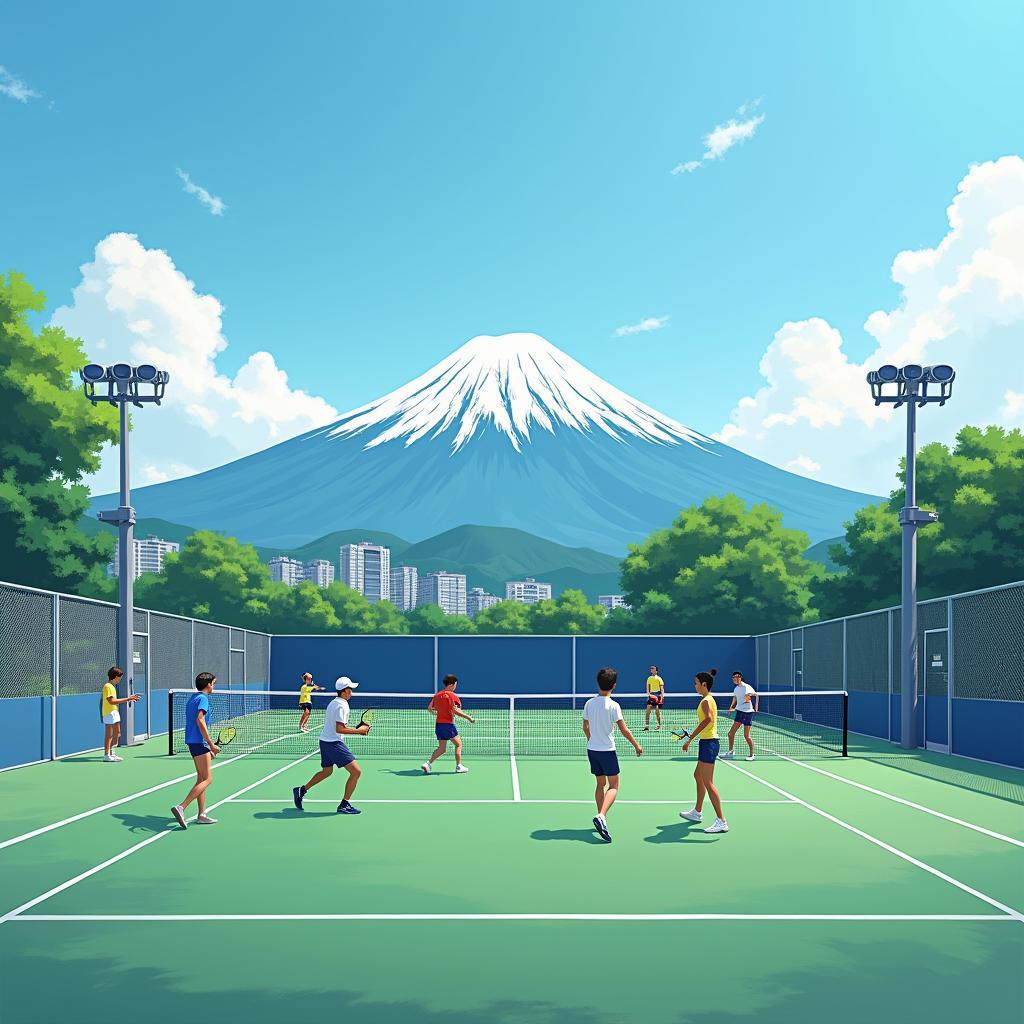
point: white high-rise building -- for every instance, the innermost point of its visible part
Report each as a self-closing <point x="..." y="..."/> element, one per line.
<point x="477" y="600"/>
<point x="447" y="589"/>
<point x="611" y="601"/>
<point x="149" y="556"/>
<point x="404" y="585"/>
<point x="527" y="591"/>
<point x="320" y="571"/>
<point x="287" y="570"/>
<point x="366" y="567"/>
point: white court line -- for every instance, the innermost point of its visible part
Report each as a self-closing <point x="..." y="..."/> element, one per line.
<point x="10" y="915"/>
<point x="510" y="917"/>
<point x="125" y="799"/>
<point x="906" y="803"/>
<point x="676" y="803"/>
<point x="1016" y="914"/>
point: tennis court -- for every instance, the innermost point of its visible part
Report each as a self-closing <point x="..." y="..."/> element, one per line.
<point x="886" y="884"/>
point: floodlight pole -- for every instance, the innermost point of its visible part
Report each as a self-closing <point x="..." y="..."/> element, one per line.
<point x="126" y="585"/>
<point x="908" y="616"/>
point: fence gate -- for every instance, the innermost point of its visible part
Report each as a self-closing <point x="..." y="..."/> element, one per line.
<point x="936" y="689"/>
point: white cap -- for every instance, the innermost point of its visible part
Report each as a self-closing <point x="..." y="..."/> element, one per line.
<point x="344" y="683"/>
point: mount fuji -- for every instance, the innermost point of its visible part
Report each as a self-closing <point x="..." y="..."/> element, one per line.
<point x="506" y="431"/>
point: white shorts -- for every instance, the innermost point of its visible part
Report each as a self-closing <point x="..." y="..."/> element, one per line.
<point x="112" y="719"/>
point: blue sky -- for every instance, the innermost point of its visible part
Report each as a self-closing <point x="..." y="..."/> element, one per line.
<point x="401" y="177"/>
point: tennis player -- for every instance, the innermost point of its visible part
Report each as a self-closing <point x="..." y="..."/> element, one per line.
<point x="745" y="711"/>
<point x="333" y="751"/>
<point x="306" y="699"/>
<point x="201" y="747"/>
<point x="601" y="715"/>
<point x="655" y="698"/>
<point x="445" y="706"/>
<point x="706" y="735"/>
<point x="109" y="713"/>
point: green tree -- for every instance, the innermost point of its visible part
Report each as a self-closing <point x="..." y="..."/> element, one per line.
<point x="977" y="487"/>
<point x="429" y="618"/>
<point x="720" y="567"/>
<point x="52" y="437"/>
<point x="505" y="617"/>
<point x="569" y="614"/>
<point x="301" y="609"/>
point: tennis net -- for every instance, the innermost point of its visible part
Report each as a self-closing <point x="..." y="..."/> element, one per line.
<point x="802" y="724"/>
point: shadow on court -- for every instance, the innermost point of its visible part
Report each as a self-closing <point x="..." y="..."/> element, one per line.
<point x="568" y="835"/>
<point x="147" y="822"/>
<point x="412" y="773"/>
<point x="293" y="812"/>
<point x="684" y="832"/>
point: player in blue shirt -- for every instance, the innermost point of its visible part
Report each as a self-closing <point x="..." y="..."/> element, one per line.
<point x="201" y="747"/>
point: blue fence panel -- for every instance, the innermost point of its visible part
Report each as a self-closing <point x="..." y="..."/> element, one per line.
<point x="157" y="712"/>
<point x="679" y="659"/>
<point x="989" y="730"/>
<point x="397" y="664"/>
<point x="869" y="713"/>
<point x="79" y="726"/>
<point x="507" y="664"/>
<point x="897" y="718"/>
<point x="24" y="730"/>
<point x="937" y="719"/>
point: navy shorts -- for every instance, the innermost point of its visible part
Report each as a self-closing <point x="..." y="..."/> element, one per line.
<point x="603" y="762"/>
<point x="198" y="749"/>
<point x="445" y="730"/>
<point x="335" y="755"/>
<point x="707" y="751"/>
<point x="745" y="717"/>
<point x="306" y="707"/>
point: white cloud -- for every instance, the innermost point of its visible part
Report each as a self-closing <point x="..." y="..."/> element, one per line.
<point x="803" y="464"/>
<point x="171" y="471"/>
<point x="213" y="203"/>
<point x="133" y="303"/>
<point x="723" y="137"/>
<point x="15" y="88"/>
<point x="961" y="302"/>
<point x="650" y="323"/>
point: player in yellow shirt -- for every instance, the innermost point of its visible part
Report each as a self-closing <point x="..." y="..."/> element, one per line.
<point x="111" y="716"/>
<point x="706" y="735"/>
<point x="655" y="698"/>
<point x="306" y="699"/>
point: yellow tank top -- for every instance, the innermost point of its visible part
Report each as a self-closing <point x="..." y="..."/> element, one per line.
<point x="306" y="693"/>
<point x="654" y="684"/>
<point x="708" y="704"/>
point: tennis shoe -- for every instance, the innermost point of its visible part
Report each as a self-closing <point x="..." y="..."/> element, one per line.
<point x="461" y="769"/>
<point x="109" y="758"/>
<point x="602" y="828"/>
<point x="115" y="757"/>
<point x="205" y="819"/>
<point x="751" y="758"/>
<point x="346" y="808"/>
<point x="426" y="767"/>
<point x="179" y="816"/>
<point x="693" y="815"/>
<point x="297" y="796"/>
<point x="728" y="755"/>
<point x="720" y="825"/>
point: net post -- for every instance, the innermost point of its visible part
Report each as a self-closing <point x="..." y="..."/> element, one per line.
<point x="512" y="727"/>
<point x="170" y="723"/>
<point x="846" y="715"/>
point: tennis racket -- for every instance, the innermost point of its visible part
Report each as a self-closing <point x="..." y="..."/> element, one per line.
<point x="366" y="718"/>
<point x="679" y="734"/>
<point x="226" y="735"/>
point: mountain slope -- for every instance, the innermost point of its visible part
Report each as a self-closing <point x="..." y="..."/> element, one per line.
<point x="504" y="432"/>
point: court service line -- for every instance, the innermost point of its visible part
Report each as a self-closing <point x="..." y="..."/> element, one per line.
<point x="508" y="917"/>
<point x="10" y="915"/>
<point x="906" y="803"/>
<point x="677" y="803"/>
<point x="1016" y="914"/>
<point x="124" y="799"/>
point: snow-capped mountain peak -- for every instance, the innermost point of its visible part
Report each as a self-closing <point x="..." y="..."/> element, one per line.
<point x="514" y="383"/>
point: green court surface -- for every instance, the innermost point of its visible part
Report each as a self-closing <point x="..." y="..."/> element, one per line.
<point x="886" y="886"/>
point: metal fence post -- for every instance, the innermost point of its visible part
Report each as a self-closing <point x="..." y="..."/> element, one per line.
<point x="55" y="677"/>
<point x="435" y="663"/>
<point x="574" y="673"/>
<point x="950" y="644"/>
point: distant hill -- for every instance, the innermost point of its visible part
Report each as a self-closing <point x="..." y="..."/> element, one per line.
<point x="819" y="553"/>
<point x="488" y="555"/>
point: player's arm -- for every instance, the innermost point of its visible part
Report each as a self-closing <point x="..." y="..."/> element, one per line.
<point x="757" y="699"/>
<point x="201" y="723"/>
<point x="347" y="730"/>
<point x="431" y="708"/>
<point x="130" y="699"/>
<point x="701" y="726"/>
<point x="459" y="713"/>
<point x="624" y="729"/>
<point x="586" y="728"/>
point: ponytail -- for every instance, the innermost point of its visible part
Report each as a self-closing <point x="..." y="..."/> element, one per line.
<point x="708" y="678"/>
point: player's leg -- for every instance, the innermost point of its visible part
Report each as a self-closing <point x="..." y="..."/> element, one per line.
<point x="202" y="763"/>
<point x="720" y="824"/>
<point x="702" y="790"/>
<point x="657" y="713"/>
<point x="610" y="793"/>
<point x="442" y="746"/>
<point x="647" y="717"/>
<point x="734" y="728"/>
<point x="108" y="739"/>
<point x="325" y="773"/>
<point x="599" y="783"/>
<point x="354" y="773"/>
<point x="749" y="739"/>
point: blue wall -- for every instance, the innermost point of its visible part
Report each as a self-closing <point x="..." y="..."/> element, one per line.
<point x="507" y="664"/>
<point x="24" y="730"/>
<point x="79" y="726"/>
<point x="869" y="714"/>
<point x="393" y="664"/>
<point x="989" y="729"/>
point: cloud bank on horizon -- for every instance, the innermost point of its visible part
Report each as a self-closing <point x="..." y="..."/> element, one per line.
<point x="962" y="302"/>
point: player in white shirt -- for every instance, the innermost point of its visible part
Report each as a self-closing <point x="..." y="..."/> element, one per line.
<point x="601" y="715"/>
<point x="745" y="711"/>
<point x="333" y="751"/>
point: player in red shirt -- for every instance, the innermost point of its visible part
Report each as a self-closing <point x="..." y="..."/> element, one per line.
<point x="446" y="707"/>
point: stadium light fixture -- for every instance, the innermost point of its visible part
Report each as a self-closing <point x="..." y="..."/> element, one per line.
<point x="914" y="386"/>
<point x="121" y="384"/>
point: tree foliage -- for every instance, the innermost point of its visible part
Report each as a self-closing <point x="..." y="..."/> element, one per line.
<point x="721" y="567"/>
<point x="52" y="437"/>
<point x="977" y="487"/>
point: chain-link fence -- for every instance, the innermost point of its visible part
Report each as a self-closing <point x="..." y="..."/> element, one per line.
<point x="60" y="646"/>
